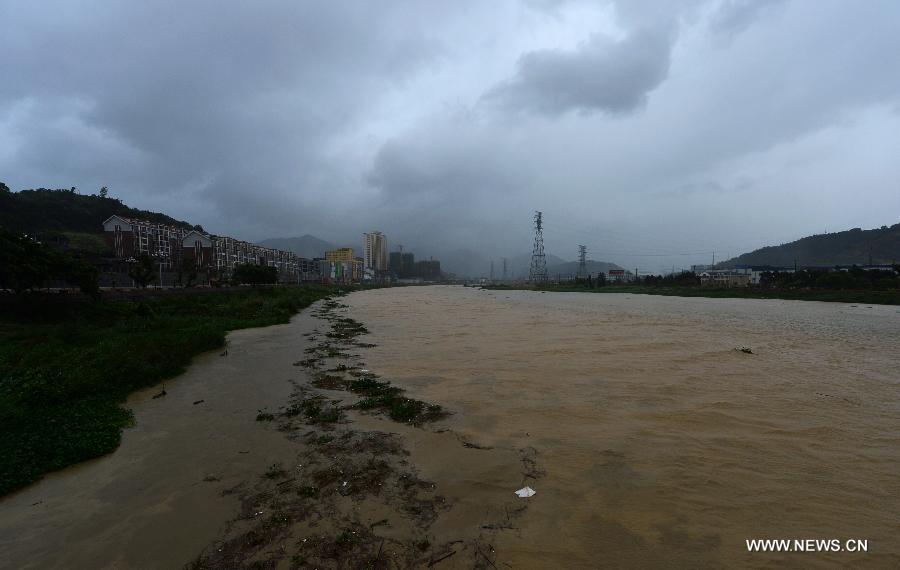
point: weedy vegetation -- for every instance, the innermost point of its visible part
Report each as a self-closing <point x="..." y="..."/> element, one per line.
<point x="67" y="365"/>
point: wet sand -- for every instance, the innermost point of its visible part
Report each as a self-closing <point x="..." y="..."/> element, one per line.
<point x="663" y="446"/>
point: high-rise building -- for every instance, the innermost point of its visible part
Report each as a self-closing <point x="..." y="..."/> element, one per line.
<point x="407" y="265"/>
<point x="375" y="259"/>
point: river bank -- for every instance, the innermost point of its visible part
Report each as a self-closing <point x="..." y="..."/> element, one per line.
<point x="67" y="364"/>
<point x="887" y="297"/>
<point x="158" y="498"/>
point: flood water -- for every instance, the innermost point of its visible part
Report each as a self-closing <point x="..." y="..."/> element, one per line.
<point x="663" y="446"/>
<point x="157" y="501"/>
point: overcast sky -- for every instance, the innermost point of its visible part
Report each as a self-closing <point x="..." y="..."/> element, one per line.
<point x="653" y="132"/>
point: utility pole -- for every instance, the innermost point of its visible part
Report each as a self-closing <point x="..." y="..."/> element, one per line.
<point x="538" y="271"/>
<point x="582" y="255"/>
<point x="504" y="268"/>
<point x="492" y="270"/>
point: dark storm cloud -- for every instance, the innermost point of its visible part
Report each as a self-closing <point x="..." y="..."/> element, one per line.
<point x="601" y="75"/>
<point x="635" y="124"/>
<point x="234" y="103"/>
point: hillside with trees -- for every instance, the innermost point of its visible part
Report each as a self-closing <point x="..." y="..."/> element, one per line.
<point x="851" y="247"/>
<point x="41" y="211"/>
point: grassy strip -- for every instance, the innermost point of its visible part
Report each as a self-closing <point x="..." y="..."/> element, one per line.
<point x="62" y="381"/>
<point x="889" y="297"/>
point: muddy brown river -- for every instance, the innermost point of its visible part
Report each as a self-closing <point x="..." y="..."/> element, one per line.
<point x="659" y="444"/>
<point x="662" y="445"/>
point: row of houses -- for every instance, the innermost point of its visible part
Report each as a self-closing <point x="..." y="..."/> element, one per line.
<point x="175" y="249"/>
<point x="744" y="276"/>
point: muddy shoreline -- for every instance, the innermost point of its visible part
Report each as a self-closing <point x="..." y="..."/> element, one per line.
<point x="353" y="495"/>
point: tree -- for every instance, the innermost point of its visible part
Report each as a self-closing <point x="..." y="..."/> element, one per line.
<point x="26" y="264"/>
<point x="76" y="270"/>
<point x="255" y="274"/>
<point x="104" y="192"/>
<point x="142" y="271"/>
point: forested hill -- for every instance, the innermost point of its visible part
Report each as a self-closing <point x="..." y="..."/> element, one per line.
<point x="851" y="247"/>
<point x="42" y="211"/>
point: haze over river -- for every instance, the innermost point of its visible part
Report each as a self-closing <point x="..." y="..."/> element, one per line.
<point x="663" y="446"/>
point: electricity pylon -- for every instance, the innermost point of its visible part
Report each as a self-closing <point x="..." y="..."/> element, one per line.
<point x="582" y="257"/>
<point x="538" y="271"/>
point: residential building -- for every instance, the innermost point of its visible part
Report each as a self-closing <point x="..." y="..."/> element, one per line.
<point x="726" y="278"/>
<point x="375" y="261"/>
<point x="132" y="238"/>
<point x="214" y="257"/>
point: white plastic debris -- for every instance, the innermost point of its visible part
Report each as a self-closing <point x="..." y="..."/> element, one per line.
<point x="525" y="492"/>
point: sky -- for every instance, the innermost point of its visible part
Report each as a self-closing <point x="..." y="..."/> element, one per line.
<point x="658" y="134"/>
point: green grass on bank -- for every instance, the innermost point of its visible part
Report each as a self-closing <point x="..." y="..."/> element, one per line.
<point x="885" y="297"/>
<point x="66" y="367"/>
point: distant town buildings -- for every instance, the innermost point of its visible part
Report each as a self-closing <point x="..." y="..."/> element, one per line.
<point x="725" y="278"/>
<point x="428" y="269"/>
<point x="209" y="258"/>
<point x="183" y="254"/>
<point x="340" y="266"/>
<point x="404" y="267"/>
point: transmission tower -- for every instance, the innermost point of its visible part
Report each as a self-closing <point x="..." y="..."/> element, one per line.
<point x="504" y="269"/>
<point x="538" y="271"/>
<point x="582" y="256"/>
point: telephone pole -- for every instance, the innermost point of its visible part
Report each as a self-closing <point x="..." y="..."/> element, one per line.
<point x="538" y="271"/>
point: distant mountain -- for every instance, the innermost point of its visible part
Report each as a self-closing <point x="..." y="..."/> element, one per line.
<point x="468" y="263"/>
<point x="519" y="266"/>
<point x="304" y="246"/>
<point x="850" y="247"/>
<point x="571" y="267"/>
